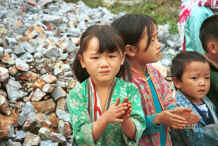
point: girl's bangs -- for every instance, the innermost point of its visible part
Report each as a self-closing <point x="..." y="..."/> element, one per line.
<point x="109" y="42"/>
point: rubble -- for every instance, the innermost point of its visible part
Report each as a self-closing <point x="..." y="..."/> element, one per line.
<point x="38" y="41"/>
<point x="4" y="74"/>
<point x="31" y="139"/>
<point x="44" y="106"/>
<point x="4" y="107"/>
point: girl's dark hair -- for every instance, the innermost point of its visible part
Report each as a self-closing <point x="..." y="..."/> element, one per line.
<point x="109" y="41"/>
<point x="180" y="61"/>
<point x="209" y="30"/>
<point x="132" y="26"/>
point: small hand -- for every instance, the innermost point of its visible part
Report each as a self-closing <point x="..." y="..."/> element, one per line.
<point x="129" y="110"/>
<point x="180" y="110"/>
<point x="170" y="119"/>
<point x="115" y="112"/>
<point x="186" y="113"/>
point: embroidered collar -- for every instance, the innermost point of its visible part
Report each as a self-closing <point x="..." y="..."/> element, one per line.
<point x="142" y="74"/>
<point x="93" y="108"/>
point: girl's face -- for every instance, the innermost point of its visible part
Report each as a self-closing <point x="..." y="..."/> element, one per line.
<point x="195" y="81"/>
<point x="102" y="67"/>
<point x="152" y="53"/>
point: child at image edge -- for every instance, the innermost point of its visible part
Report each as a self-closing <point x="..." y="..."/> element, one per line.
<point x="209" y="40"/>
<point x="191" y="76"/>
<point x="140" y="34"/>
<point x="105" y="110"/>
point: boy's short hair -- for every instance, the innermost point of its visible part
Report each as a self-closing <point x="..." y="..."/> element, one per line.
<point x="180" y="61"/>
<point x="209" y="30"/>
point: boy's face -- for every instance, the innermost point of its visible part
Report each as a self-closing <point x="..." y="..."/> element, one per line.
<point x="195" y="81"/>
<point x="103" y="67"/>
<point x="152" y="53"/>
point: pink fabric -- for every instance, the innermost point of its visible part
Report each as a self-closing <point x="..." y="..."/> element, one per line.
<point x="213" y="4"/>
<point x="166" y="99"/>
<point x="188" y="6"/>
<point x="186" y="12"/>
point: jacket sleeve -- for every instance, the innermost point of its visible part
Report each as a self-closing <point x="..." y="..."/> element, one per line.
<point x="211" y="132"/>
<point x="165" y="92"/>
<point x="137" y="115"/>
<point x="178" y="137"/>
<point x="195" y="137"/>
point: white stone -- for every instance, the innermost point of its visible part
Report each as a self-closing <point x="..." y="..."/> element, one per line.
<point x="4" y="74"/>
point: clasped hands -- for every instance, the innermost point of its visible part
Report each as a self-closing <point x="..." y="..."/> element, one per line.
<point x="119" y="112"/>
<point x="178" y="118"/>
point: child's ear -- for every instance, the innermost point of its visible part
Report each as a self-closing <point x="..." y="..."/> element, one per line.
<point x="80" y="58"/>
<point x="130" y="50"/>
<point x="211" y="47"/>
<point x="177" y="82"/>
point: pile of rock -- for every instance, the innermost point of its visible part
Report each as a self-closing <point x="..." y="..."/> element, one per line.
<point x="38" y="41"/>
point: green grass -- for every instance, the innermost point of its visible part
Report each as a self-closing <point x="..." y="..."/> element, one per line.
<point x="90" y="3"/>
<point x="166" y="13"/>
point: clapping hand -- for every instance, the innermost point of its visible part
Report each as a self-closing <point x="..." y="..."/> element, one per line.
<point x="129" y="110"/>
<point x="116" y="112"/>
<point x="186" y="113"/>
<point x="172" y="118"/>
